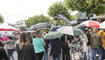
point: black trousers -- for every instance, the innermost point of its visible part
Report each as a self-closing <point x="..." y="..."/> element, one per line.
<point x="66" y="56"/>
<point x="40" y="55"/>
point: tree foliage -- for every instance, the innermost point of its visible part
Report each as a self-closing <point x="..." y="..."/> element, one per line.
<point x="36" y="19"/>
<point x="89" y="6"/>
<point x="1" y="19"/>
<point x="58" y="8"/>
<point x="22" y="28"/>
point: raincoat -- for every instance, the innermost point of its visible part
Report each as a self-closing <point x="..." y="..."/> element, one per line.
<point x="102" y="33"/>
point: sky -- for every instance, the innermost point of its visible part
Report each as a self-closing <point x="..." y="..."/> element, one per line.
<point x="15" y="10"/>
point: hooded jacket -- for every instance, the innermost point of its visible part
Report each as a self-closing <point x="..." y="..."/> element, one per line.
<point x="102" y="34"/>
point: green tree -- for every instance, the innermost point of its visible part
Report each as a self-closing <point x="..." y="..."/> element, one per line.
<point x="1" y="19"/>
<point x="22" y="28"/>
<point x="37" y="19"/>
<point x="89" y="6"/>
<point x="58" y="8"/>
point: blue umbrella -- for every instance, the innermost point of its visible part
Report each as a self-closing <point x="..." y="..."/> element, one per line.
<point x="40" y="25"/>
<point x="54" y="28"/>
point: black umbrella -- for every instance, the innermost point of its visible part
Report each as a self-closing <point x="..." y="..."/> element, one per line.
<point x="12" y="36"/>
<point x="40" y="25"/>
<point x="81" y="26"/>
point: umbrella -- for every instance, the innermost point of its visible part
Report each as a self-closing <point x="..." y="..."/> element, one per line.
<point x="53" y="35"/>
<point x="81" y="26"/>
<point x="90" y="23"/>
<point x="40" y="25"/>
<point x="102" y="25"/>
<point x="54" y="28"/>
<point x="12" y="36"/>
<point x="69" y="30"/>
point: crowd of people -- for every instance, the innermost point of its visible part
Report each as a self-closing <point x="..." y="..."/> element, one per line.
<point x="33" y="46"/>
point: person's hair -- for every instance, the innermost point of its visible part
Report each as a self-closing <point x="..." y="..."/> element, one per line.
<point x="38" y="33"/>
<point x="9" y="37"/>
<point x="0" y="43"/>
<point x="24" y="39"/>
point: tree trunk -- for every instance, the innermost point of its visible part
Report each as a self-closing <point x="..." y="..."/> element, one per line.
<point x="87" y="14"/>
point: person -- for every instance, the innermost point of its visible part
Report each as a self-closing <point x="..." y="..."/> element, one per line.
<point x="10" y="47"/>
<point x="88" y="34"/>
<point x="96" y="45"/>
<point x="45" y="57"/>
<point x="3" y="54"/>
<point x="85" y="41"/>
<point x="30" y="36"/>
<point x="76" y="48"/>
<point x="1" y="40"/>
<point x="65" y="49"/>
<point x="99" y="20"/>
<point x="5" y="38"/>
<point x="102" y="33"/>
<point x="25" y="49"/>
<point x="55" y="49"/>
<point x="39" y="44"/>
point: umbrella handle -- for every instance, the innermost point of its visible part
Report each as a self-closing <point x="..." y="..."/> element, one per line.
<point x="65" y="37"/>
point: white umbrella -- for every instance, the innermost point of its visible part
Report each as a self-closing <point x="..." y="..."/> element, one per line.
<point x="102" y="25"/>
<point x="69" y="30"/>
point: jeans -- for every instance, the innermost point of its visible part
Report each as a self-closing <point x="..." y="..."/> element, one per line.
<point x="45" y="57"/>
<point x="93" y="53"/>
<point x="103" y="57"/>
<point x="88" y="53"/>
<point x="10" y="53"/>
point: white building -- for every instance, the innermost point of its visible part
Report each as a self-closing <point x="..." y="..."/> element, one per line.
<point x="20" y="23"/>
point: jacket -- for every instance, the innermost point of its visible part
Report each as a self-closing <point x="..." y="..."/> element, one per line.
<point x="88" y="36"/>
<point x="55" y="47"/>
<point x="95" y="41"/>
<point x="85" y="41"/>
<point x="26" y="53"/>
<point x="102" y="33"/>
<point x="3" y="54"/>
<point x="38" y="45"/>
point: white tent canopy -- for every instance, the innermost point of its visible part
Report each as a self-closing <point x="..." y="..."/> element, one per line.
<point x="5" y="27"/>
